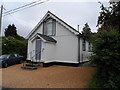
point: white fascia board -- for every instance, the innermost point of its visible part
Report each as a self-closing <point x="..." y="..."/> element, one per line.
<point x="68" y="27"/>
<point x="54" y="17"/>
<point x="33" y="38"/>
<point x="33" y="30"/>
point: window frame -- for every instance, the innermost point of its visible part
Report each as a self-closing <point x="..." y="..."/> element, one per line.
<point x="84" y="45"/>
<point x="45" y="23"/>
<point x="89" y="46"/>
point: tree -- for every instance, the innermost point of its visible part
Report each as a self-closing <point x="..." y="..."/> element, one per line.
<point x="109" y="16"/>
<point x="86" y="31"/>
<point x="13" y="45"/>
<point x="11" y="31"/>
<point x="106" y="46"/>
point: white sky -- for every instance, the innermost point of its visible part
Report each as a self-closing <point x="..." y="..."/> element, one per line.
<point x="74" y="13"/>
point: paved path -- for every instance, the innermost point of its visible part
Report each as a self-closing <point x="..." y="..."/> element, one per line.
<point x="48" y="77"/>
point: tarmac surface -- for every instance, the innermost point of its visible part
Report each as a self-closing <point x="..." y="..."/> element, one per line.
<point x="55" y="76"/>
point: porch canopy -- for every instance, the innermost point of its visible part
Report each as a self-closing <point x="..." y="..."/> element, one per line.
<point x="44" y="38"/>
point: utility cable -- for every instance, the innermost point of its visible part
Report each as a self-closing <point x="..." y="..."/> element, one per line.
<point x="19" y="9"/>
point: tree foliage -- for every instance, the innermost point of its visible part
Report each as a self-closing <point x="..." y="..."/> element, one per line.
<point x="86" y="31"/>
<point x="12" y="42"/>
<point x="11" y="31"/>
<point x="106" y="46"/>
<point x="109" y="16"/>
<point x="13" y="45"/>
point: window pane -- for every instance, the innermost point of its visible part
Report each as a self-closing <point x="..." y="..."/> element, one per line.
<point x="49" y="21"/>
<point x="49" y="29"/>
<point x="84" y="45"/>
<point x="54" y="27"/>
<point x="44" y="29"/>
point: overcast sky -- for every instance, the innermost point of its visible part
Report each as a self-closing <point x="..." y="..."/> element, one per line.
<point x="73" y="13"/>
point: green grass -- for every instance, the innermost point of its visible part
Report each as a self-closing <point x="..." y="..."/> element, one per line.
<point x="94" y="82"/>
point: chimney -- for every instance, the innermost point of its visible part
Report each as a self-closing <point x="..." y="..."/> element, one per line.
<point x="78" y="27"/>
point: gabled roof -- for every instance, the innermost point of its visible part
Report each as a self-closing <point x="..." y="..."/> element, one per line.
<point x="57" y="19"/>
<point x="43" y="38"/>
<point x="47" y="38"/>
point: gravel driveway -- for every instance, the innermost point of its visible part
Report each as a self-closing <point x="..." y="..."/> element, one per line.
<point x="46" y="77"/>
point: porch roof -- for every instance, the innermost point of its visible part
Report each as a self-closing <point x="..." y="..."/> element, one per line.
<point x="47" y="38"/>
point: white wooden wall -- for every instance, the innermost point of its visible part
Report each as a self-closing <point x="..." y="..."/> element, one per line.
<point x="65" y="50"/>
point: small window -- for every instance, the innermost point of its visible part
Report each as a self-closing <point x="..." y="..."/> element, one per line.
<point x="84" y="45"/>
<point x="89" y="46"/>
<point x="49" y="27"/>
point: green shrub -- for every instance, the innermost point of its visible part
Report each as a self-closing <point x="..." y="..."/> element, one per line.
<point x="13" y="45"/>
<point x="94" y="83"/>
<point x="106" y="47"/>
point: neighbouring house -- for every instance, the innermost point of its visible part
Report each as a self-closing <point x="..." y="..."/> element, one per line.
<point x="53" y="40"/>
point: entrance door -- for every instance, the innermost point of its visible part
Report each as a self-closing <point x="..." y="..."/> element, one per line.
<point x="38" y="50"/>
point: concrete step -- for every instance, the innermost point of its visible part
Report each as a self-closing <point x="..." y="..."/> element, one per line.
<point x="32" y="65"/>
<point x="29" y="67"/>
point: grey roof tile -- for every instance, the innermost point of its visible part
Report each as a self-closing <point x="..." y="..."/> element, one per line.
<point x="47" y="38"/>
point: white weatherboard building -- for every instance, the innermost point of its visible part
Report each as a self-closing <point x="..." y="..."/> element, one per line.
<point x="53" y="40"/>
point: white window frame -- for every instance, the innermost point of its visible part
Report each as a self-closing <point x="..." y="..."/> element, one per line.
<point x="84" y="45"/>
<point x="53" y="27"/>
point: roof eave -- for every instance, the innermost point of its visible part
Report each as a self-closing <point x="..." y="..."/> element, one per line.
<point x="53" y="16"/>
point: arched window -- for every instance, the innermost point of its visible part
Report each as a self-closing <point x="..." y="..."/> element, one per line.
<point x="49" y="27"/>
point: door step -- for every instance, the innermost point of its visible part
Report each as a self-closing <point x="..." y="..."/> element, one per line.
<point x="29" y="67"/>
<point x="32" y="66"/>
